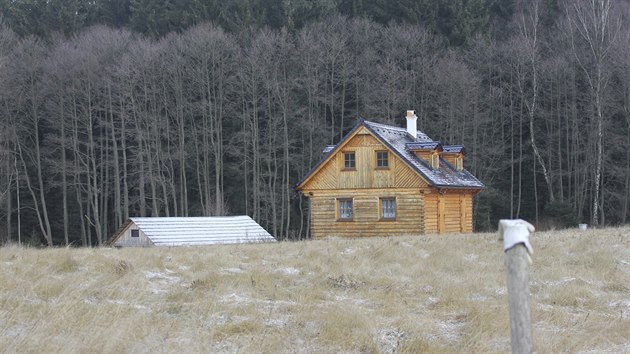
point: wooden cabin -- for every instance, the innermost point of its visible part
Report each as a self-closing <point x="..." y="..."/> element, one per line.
<point x="381" y="180"/>
<point x="189" y="231"/>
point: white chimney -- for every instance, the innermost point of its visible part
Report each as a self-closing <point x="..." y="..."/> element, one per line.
<point x="411" y="124"/>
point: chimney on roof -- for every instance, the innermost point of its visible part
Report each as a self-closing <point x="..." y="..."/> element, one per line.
<point x="411" y="124"/>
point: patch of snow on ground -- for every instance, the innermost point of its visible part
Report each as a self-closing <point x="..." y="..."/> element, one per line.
<point x="623" y="306"/>
<point x="159" y="279"/>
<point x="390" y="339"/>
<point x="341" y="298"/>
<point x="423" y="254"/>
<point x="449" y="330"/>
<point x="500" y="291"/>
<point x="232" y="270"/>
<point x="430" y="301"/>
<point x="275" y="322"/>
<point x="480" y="297"/>
<point x="289" y="271"/>
<point x="348" y="251"/>
<point x="471" y="257"/>
<point x="19" y="330"/>
<point x="235" y="298"/>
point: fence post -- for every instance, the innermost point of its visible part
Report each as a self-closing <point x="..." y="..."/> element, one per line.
<point x="515" y="236"/>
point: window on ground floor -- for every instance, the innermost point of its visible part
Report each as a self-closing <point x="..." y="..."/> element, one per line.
<point x="344" y="209"/>
<point x="388" y="208"/>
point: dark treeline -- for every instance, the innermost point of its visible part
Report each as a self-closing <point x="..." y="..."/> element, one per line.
<point x="456" y="20"/>
<point x="107" y="123"/>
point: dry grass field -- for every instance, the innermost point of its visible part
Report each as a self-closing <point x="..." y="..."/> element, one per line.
<point x="379" y="295"/>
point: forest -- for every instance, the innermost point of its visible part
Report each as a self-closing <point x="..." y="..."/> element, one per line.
<point x="119" y="108"/>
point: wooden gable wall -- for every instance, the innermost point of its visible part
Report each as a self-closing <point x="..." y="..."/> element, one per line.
<point x="365" y="145"/>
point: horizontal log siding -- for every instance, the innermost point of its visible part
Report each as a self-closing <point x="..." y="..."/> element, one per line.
<point x="366" y="218"/>
<point x="431" y="213"/>
<point x="457" y="212"/>
<point x="452" y="222"/>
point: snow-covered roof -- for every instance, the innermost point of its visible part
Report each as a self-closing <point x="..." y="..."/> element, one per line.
<point x="209" y="230"/>
<point x="454" y="149"/>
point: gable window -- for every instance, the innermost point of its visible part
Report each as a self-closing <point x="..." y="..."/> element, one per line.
<point x="345" y="209"/>
<point x="135" y="233"/>
<point x="382" y="159"/>
<point x="349" y="160"/>
<point x="388" y="208"/>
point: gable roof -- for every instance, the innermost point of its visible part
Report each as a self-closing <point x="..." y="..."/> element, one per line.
<point x="208" y="230"/>
<point x="397" y="140"/>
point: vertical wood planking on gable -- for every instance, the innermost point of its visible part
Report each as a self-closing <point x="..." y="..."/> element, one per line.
<point x="333" y="176"/>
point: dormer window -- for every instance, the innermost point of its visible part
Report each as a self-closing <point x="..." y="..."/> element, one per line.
<point x="459" y="163"/>
<point x="435" y="161"/>
<point x="349" y="160"/>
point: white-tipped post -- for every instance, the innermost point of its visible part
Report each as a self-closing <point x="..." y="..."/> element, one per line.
<point x="515" y="236"/>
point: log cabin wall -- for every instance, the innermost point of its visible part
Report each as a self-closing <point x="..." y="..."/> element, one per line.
<point x="366" y="220"/>
<point x="448" y="212"/>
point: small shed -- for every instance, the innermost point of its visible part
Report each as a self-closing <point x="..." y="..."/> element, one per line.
<point x="189" y="231"/>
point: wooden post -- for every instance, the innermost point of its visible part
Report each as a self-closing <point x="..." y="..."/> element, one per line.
<point x="516" y="259"/>
<point x="515" y="234"/>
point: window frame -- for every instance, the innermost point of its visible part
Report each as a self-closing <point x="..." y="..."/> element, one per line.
<point x="339" y="209"/>
<point x="435" y="161"/>
<point x="354" y="160"/>
<point x="381" y="209"/>
<point x="136" y="232"/>
<point x="459" y="163"/>
<point x="376" y="157"/>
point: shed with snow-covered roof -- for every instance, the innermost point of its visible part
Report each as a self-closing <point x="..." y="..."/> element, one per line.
<point x="189" y="231"/>
<point x="381" y="180"/>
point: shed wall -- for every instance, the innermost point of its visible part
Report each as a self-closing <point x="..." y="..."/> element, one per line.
<point x="127" y="241"/>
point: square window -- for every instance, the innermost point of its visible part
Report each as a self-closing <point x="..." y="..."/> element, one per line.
<point x="382" y="159"/>
<point x="349" y="160"/>
<point x="135" y="233"/>
<point x="388" y="208"/>
<point x="345" y="209"/>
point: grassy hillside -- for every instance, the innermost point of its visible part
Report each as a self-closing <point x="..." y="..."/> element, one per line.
<point x="407" y="294"/>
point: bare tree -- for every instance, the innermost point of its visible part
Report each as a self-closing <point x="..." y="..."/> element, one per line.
<point x="595" y="28"/>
